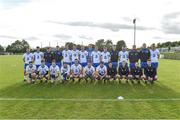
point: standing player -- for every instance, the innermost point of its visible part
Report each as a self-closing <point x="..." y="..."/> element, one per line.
<point x="101" y="72"/>
<point x="144" y="55"/>
<point x="76" y="71"/>
<point x="42" y="71"/>
<point x="48" y="56"/>
<point x="27" y="57"/>
<point x="65" y="72"/>
<point x="74" y="54"/>
<point x="30" y="72"/>
<point x="105" y="56"/>
<point x="89" y="71"/>
<point x="38" y="56"/>
<point x="54" y="71"/>
<point x="133" y="57"/>
<point x="111" y="72"/>
<point x="155" y="54"/>
<point x="123" y="71"/>
<point x="66" y="56"/>
<point x="114" y="57"/>
<point x="136" y="73"/>
<point x="89" y="50"/>
<point x="58" y="56"/>
<point x="96" y="55"/>
<point x="150" y="73"/>
<point x="83" y="55"/>
<point x="123" y="55"/>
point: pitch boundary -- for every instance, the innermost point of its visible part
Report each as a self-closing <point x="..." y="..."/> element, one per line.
<point x="88" y="99"/>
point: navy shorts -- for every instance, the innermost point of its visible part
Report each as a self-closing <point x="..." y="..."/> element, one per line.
<point x="83" y="64"/>
<point x="143" y="64"/>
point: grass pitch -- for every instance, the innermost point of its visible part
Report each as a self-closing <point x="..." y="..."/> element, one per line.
<point x="88" y="100"/>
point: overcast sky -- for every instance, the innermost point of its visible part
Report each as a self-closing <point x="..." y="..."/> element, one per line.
<point x="85" y="21"/>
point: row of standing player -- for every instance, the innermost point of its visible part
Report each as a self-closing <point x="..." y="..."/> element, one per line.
<point x="95" y="56"/>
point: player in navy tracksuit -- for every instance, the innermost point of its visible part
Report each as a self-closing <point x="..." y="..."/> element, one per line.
<point x="133" y="57"/>
<point x="48" y="56"/>
<point x="58" y="56"/>
<point x="144" y="55"/>
<point x="150" y="73"/>
<point x="114" y="57"/>
<point x="136" y="73"/>
<point x="89" y="50"/>
<point x="123" y="71"/>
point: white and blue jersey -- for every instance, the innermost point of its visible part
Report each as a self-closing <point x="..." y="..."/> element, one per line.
<point x="101" y="70"/>
<point x="76" y="69"/>
<point x="154" y="57"/>
<point x="38" y="56"/>
<point x="43" y="70"/>
<point x="96" y="56"/>
<point x="74" y="55"/>
<point x="65" y="72"/>
<point x="83" y="55"/>
<point x="89" y="70"/>
<point x="105" y="57"/>
<point x="27" y="57"/>
<point x="66" y="56"/>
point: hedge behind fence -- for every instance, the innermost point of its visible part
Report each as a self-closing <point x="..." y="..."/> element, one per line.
<point x="175" y="56"/>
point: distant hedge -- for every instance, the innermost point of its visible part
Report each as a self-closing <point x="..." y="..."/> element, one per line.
<point x="175" y="56"/>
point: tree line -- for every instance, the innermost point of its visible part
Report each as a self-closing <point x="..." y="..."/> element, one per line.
<point x="20" y="46"/>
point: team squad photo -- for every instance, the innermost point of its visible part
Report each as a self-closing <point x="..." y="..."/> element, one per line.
<point x="91" y="64"/>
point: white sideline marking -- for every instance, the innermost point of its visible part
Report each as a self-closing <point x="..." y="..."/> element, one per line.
<point x="86" y="99"/>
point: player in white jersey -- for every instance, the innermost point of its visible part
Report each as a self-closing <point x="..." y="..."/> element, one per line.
<point x="42" y="71"/>
<point x="83" y="56"/>
<point x="65" y="72"/>
<point x="54" y="71"/>
<point x="66" y="55"/>
<point x="89" y="72"/>
<point x="76" y="71"/>
<point x="105" y="57"/>
<point x="38" y="56"/>
<point x="123" y="55"/>
<point x="27" y="57"/>
<point x="101" y="72"/>
<point x="155" y="54"/>
<point x="30" y="73"/>
<point x="96" y="56"/>
<point x="74" y="54"/>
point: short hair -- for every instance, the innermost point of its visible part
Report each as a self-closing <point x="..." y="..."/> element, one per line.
<point x="30" y="62"/>
<point x="53" y="60"/>
<point x="101" y="62"/>
<point x="42" y="60"/>
<point x="37" y="47"/>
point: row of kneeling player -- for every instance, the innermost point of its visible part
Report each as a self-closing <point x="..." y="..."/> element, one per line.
<point x="76" y="71"/>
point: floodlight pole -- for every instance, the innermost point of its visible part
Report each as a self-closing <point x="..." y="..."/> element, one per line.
<point x="134" y="22"/>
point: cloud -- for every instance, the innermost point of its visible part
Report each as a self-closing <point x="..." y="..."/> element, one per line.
<point x="8" y="37"/>
<point x="8" y="4"/>
<point x="85" y="37"/>
<point x="111" y="26"/>
<point x="31" y="38"/>
<point x="170" y="23"/>
<point x="62" y="36"/>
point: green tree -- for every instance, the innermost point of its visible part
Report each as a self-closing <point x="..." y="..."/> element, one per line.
<point x="120" y="44"/>
<point x="1" y="49"/>
<point x="18" y="46"/>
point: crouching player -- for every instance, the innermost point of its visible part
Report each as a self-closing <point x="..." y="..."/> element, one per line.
<point x="54" y="72"/>
<point x="30" y="72"/>
<point x="89" y="71"/>
<point x="123" y="71"/>
<point x="65" y="72"/>
<point x="150" y="73"/>
<point x="101" y="72"/>
<point x="76" y="71"/>
<point x="136" y="73"/>
<point x="42" y="71"/>
<point x="111" y="72"/>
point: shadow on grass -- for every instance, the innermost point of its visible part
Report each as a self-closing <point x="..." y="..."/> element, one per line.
<point x="88" y="90"/>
